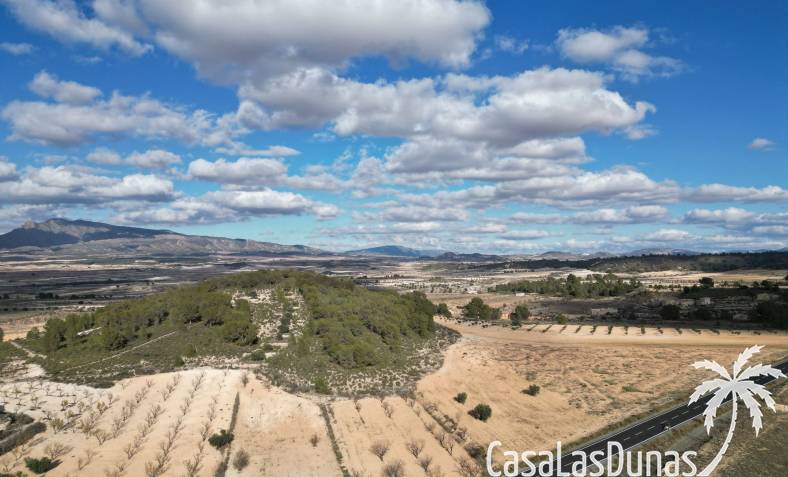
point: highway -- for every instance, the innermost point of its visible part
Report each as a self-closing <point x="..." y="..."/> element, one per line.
<point x="645" y="430"/>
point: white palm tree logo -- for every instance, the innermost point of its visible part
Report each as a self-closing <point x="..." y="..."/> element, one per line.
<point x="737" y="385"/>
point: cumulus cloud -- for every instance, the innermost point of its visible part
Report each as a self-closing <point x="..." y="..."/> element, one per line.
<point x="741" y="220"/>
<point x="69" y="185"/>
<point x="77" y="115"/>
<point x="761" y="144"/>
<point x="238" y="39"/>
<point x="260" y="172"/>
<point x="725" y="193"/>
<point x="244" y="171"/>
<point x="66" y="21"/>
<point x="48" y="86"/>
<point x="228" y="206"/>
<point x="17" y="49"/>
<point x="7" y="170"/>
<point x="619" y="47"/>
<point x="667" y="235"/>
<point x="639" y="214"/>
<point x="150" y="159"/>
<point x="531" y="105"/>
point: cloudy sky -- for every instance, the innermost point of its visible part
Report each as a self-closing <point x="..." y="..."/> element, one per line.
<point x="505" y="127"/>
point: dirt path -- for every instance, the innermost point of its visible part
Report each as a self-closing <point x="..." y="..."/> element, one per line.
<point x="31" y="354"/>
<point x="122" y="352"/>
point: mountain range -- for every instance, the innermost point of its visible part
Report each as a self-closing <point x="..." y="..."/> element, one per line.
<point x="86" y="238"/>
<point x="83" y="237"/>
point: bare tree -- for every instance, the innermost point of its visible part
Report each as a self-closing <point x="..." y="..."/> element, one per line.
<point x="470" y="468"/>
<point x="394" y="469"/>
<point x="380" y="448"/>
<point x="55" y="450"/>
<point x="85" y="460"/>
<point x="415" y="446"/>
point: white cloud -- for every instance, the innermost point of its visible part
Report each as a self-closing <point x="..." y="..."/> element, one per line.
<point x="150" y="159"/>
<point x="619" y="47"/>
<point x="69" y="124"/>
<point x="106" y="156"/>
<point x="270" y="202"/>
<point x="510" y="44"/>
<point x="17" y="49"/>
<point x="244" y="171"/>
<point x="600" y="216"/>
<point x="153" y="159"/>
<point x="525" y="234"/>
<point x="48" y="86"/>
<point x="70" y="185"/>
<point x="7" y="170"/>
<point x="240" y="149"/>
<point x="531" y="105"/>
<point x="65" y="21"/>
<point x="238" y="39"/>
<point x="667" y="235"/>
<point x="761" y="144"/>
<point x="771" y="230"/>
<point x="724" y="193"/>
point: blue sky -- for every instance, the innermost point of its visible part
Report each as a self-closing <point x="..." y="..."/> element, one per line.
<point x="504" y="127"/>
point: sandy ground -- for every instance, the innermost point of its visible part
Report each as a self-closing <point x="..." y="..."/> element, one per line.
<point x="587" y="382"/>
<point x="278" y="429"/>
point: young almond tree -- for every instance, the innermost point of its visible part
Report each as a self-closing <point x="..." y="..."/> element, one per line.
<point x="739" y="386"/>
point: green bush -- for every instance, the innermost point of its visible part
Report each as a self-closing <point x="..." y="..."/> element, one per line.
<point x="532" y="390"/>
<point x="481" y="412"/>
<point x="476" y="309"/>
<point x="443" y="310"/>
<point x="257" y="355"/>
<point x="40" y="465"/>
<point x="221" y="439"/>
<point x="321" y="385"/>
<point x="520" y="314"/>
<point x="461" y="397"/>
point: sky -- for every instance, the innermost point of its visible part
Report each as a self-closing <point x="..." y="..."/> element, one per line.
<point x="497" y="127"/>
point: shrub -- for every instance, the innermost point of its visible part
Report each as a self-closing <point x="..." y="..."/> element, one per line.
<point x="481" y="412"/>
<point x="379" y="449"/>
<point x="670" y="312"/>
<point x="443" y="310"/>
<point x="461" y="397"/>
<point x="532" y="390"/>
<point x="394" y="469"/>
<point x="241" y="460"/>
<point x="221" y="439"/>
<point x="321" y="385"/>
<point x="41" y="465"/>
<point x="257" y="355"/>
<point x="520" y="314"/>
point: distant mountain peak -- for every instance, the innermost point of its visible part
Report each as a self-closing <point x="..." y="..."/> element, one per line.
<point x="396" y="251"/>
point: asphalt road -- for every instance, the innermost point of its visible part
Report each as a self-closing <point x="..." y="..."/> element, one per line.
<point x="654" y="426"/>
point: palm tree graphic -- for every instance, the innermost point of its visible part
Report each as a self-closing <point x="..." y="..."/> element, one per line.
<point x="739" y="386"/>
